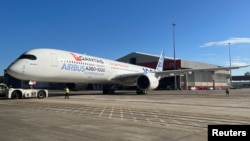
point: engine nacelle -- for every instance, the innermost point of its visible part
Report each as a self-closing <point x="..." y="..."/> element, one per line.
<point x="147" y="82"/>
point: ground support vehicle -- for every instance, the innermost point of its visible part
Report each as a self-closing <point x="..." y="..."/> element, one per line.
<point x="19" y="93"/>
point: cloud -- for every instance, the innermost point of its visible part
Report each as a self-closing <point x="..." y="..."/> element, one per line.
<point x="232" y="41"/>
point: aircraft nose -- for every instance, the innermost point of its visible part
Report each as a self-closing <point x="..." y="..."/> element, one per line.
<point x="15" y="69"/>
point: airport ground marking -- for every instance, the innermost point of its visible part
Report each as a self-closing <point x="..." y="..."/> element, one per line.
<point x="59" y="110"/>
<point x="132" y="114"/>
<point x="148" y="120"/>
<point x="76" y="110"/>
<point x="121" y="112"/>
<point x="102" y="111"/>
<point x="162" y="122"/>
<point x="84" y="111"/>
<point x="66" y="111"/>
<point x="134" y="119"/>
<point x="195" y="124"/>
<point x="155" y="116"/>
<point x="111" y="113"/>
<point x="176" y="121"/>
<point x="93" y="111"/>
<point x="124" y="114"/>
<point x="142" y="114"/>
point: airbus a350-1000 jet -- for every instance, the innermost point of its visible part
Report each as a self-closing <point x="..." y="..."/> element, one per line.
<point x="53" y="65"/>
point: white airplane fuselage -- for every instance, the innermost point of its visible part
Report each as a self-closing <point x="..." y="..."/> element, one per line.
<point x="51" y="65"/>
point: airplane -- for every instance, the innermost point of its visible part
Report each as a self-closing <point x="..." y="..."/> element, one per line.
<point x="54" y="65"/>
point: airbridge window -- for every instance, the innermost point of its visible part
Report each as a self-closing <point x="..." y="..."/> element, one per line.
<point x="28" y="56"/>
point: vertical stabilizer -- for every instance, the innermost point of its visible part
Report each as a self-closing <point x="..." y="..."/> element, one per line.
<point x="159" y="66"/>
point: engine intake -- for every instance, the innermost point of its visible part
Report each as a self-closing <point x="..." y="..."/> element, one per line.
<point x="147" y="82"/>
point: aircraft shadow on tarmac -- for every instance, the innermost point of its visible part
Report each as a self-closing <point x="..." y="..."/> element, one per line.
<point x="60" y="93"/>
<point x="78" y="93"/>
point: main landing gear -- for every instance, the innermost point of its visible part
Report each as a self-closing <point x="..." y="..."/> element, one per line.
<point x="108" y="89"/>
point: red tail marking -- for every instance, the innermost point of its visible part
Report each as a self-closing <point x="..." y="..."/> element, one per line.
<point x="77" y="58"/>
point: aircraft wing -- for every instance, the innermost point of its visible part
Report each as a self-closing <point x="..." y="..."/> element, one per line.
<point x="183" y="71"/>
<point x="126" y="79"/>
<point x="130" y="79"/>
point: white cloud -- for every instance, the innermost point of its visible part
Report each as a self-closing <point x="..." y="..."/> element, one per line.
<point x="232" y="41"/>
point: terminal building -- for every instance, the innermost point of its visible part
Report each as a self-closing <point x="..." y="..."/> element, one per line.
<point x="193" y="80"/>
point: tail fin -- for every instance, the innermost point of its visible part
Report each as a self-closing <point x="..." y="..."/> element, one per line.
<point x="159" y="66"/>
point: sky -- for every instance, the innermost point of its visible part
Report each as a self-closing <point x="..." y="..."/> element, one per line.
<point x="114" y="28"/>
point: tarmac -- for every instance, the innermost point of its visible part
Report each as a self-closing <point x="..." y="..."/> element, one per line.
<point x="89" y="115"/>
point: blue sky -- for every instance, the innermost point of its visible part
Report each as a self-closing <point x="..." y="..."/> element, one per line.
<point x="114" y="28"/>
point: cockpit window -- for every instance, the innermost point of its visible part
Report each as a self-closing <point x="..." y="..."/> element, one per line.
<point x="27" y="56"/>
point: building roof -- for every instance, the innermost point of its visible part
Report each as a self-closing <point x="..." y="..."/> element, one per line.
<point x="142" y="58"/>
<point x="152" y="55"/>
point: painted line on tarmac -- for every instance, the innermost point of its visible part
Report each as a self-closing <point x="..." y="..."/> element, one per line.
<point x="121" y="112"/>
<point x="111" y="113"/>
<point x="102" y="111"/>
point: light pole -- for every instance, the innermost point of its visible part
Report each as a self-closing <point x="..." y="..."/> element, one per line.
<point x="175" y="85"/>
<point x="229" y="50"/>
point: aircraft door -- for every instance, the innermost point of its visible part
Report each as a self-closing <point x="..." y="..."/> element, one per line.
<point x="53" y="60"/>
<point x="25" y="66"/>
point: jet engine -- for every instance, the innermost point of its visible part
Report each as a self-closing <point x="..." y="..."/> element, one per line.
<point x="147" y="82"/>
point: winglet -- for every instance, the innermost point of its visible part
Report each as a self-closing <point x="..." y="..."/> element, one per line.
<point x="159" y="66"/>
